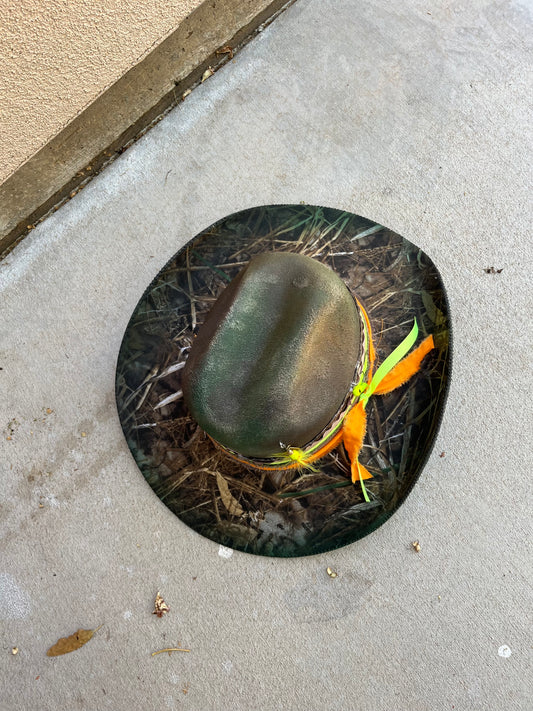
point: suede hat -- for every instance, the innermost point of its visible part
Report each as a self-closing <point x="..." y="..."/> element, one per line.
<point x="282" y="379"/>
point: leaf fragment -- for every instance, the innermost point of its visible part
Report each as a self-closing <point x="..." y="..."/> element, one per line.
<point x="160" y="606"/>
<point x="226" y="50"/>
<point x="230" y="502"/>
<point x="64" y="645"/>
<point x="208" y="73"/>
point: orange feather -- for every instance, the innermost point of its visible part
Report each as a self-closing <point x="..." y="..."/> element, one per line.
<point x="406" y="368"/>
<point x="353" y="435"/>
<point x="359" y="472"/>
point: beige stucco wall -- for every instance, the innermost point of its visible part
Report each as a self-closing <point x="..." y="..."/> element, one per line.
<point x="57" y="56"/>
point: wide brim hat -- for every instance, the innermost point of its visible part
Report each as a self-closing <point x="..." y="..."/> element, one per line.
<point x="281" y="381"/>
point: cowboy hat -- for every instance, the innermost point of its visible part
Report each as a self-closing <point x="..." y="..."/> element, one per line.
<point x="250" y="372"/>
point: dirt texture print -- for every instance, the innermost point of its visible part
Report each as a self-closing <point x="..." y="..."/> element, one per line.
<point x="281" y="382"/>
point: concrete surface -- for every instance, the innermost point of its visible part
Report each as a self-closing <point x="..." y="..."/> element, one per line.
<point x="80" y="138"/>
<point x="412" y="119"/>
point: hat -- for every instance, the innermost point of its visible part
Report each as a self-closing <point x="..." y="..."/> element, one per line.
<point x="249" y="376"/>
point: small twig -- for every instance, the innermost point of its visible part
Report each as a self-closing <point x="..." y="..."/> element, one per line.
<point x="145" y="425"/>
<point x="189" y="280"/>
<point x="143" y="397"/>
<point x="171" y="398"/>
<point x="146" y="381"/>
<point x="169" y="650"/>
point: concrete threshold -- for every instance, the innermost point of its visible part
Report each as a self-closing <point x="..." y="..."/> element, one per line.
<point x="208" y="38"/>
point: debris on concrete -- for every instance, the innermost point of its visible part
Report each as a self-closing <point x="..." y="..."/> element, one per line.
<point x="160" y="606"/>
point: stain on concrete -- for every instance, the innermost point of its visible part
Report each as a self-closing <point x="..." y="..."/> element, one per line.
<point x="14" y="602"/>
<point x="328" y="599"/>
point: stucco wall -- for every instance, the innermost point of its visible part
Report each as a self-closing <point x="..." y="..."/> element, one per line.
<point x="57" y="56"/>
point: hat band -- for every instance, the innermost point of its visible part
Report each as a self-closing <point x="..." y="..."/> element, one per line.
<point x="294" y="457"/>
<point x="360" y="393"/>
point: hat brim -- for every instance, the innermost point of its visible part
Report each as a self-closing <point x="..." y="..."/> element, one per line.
<point x="292" y="512"/>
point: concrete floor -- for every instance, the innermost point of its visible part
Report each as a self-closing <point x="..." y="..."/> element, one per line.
<point x="416" y="118"/>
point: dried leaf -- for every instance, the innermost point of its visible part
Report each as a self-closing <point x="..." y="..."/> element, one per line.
<point x="331" y="573"/>
<point x="70" y="644"/>
<point x="230" y="502"/>
<point x="160" y="606"/>
<point x="226" y="50"/>
<point x="208" y="73"/>
<point x="416" y="546"/>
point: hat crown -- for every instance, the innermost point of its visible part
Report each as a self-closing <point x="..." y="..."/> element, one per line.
<point x="274" y="360"/>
